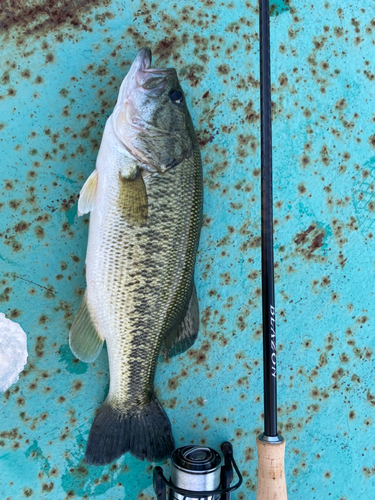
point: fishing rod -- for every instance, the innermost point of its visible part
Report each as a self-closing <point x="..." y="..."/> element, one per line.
<point x="270" y="444"/>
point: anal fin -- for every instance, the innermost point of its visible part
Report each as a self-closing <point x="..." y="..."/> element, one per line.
<point x="183" y="337"/>
<point x="84" y="340"/>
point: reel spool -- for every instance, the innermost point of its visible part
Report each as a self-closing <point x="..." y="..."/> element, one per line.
<point x="197" y="473"/>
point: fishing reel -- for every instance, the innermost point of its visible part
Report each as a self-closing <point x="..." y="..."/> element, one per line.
<point x="197" y="474"/>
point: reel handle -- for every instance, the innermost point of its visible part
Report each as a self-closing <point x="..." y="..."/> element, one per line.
<point x="227" y="469"/>
<point x="159" y="484"/>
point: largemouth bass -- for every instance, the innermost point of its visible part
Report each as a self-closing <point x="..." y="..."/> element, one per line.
<point x="145" y="198"/>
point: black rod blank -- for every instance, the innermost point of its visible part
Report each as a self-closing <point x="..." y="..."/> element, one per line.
<point x="268" y="287"/>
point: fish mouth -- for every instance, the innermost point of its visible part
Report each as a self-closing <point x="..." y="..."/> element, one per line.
<point x="151" y="80"/>
<point x="142" y="60"/>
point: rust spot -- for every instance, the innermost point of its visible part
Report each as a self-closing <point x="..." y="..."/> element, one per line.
<point x="310" y="240"/>
<point x="50" y="58"/>
<point x="26" y="73"/>
<point x="204" y="137"/>
<point x="305" y="160"/>
<point x="65" y="434"/>
<point x="167" y="47"/>
<point x="338" y="374"/>
<point x="367" y="471"/>
<point x="14" y="313"/>
<point x="66" y="204"/>
<point x="316" y="243"/>
<point x="194" y="75"/>
<point x="43" y="319"/>
<point x="249" y="454"/>
<point x="344" y="358"/>
<point x="283" y="80"/>
<point x="21" y="227"/>
<point x="39" y="232"/>
<point x="238" y="433"/>
<point x="368" y="353"/>
<point x="301" y="237"/>
<point x="35" y="18"/>
<point x="39" y="346"/>
<point x="341" y="104"/>
<point x="15" y="204"/>
<point x="170" y="403"/>
<point x="223" y="69"/>
<point x="199" y="356"/>
<point x="12" y="434"/>
<point x="47" y="487"/>
<point x="173" y="383"/>
<point x="77" y="385"/>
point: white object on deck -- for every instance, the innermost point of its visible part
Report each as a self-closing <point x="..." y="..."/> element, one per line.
<point x="13" y="352"/>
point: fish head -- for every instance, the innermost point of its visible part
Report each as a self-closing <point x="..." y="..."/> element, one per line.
<point x="151" y="118"/>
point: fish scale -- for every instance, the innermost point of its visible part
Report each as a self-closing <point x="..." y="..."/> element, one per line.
<point x="130" y="324"/>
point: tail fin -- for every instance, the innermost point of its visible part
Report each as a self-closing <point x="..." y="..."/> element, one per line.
<point x="145" y="433"/>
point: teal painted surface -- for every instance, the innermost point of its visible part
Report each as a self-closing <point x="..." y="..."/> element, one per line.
<point x="59" y="83"/>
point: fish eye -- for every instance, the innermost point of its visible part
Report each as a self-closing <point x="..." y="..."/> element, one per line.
<point x="176" y="96"/>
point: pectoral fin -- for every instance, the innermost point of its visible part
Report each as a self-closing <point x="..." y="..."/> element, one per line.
<point x="87" y="195"/>
<point x="84" y="340"/>
<point x="133" y="197"/>
<point x="184" y="336"/>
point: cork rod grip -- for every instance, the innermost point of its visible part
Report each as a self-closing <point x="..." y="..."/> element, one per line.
<point x="271" y="473"/>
